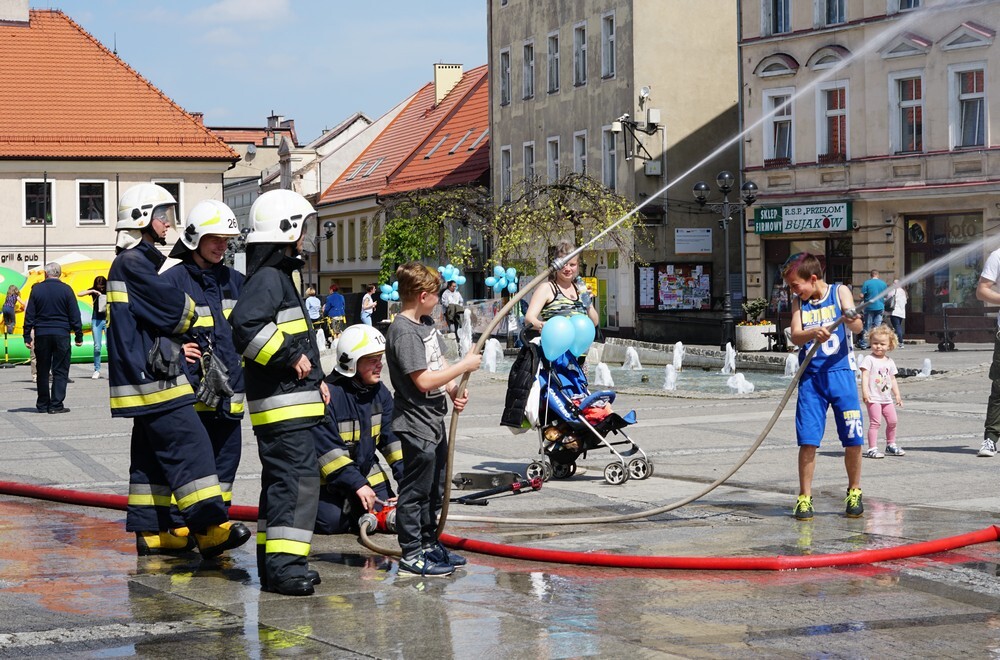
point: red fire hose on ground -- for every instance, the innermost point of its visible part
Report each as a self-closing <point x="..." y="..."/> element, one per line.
<point x="776" y="563"/>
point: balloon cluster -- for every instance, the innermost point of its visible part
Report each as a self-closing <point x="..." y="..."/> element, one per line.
<point x="389" y="291"/>
<point x="574" y="333"/>
<point x="451" y="274"/>
<point x="503" y="279"/>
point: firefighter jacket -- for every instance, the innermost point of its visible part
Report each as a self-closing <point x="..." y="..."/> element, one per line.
<point x="362" y="416"/>
<point x="214" y="292"/>
<point x="271" y="332"/>
<point x="146" y="316"/>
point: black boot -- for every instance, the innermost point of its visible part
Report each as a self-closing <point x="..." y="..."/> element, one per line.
<point x="295" y="586"/>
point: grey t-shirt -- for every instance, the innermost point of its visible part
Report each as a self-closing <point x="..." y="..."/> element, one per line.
<point x="411" y="347"/>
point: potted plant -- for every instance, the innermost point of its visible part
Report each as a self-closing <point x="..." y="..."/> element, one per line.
<point x="751" y="334"/>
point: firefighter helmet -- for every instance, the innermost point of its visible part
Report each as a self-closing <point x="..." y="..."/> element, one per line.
<point x="209" y="218"/>
<point x="280" y="216"/>
<point x="354" y="343"/>
<point x="141" y="202"/>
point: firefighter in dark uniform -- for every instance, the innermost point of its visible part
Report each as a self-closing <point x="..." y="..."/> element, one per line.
<point x="361" y="406"/>
<point x="171" y="454"/>
<point x="213" y="367"/>
<point x="286" y="394"/>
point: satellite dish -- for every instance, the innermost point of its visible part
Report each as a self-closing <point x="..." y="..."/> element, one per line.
<point x="644" y="92"/>
<point x="251" y="149"/>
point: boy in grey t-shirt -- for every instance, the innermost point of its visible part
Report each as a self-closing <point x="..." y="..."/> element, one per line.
<point x="421" y="378"/>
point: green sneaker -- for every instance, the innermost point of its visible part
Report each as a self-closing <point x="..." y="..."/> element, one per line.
<point x="803" y="508"/>
<point x="855" y="509"/>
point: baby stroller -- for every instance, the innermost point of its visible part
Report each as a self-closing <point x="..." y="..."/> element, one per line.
<point x="572" y="421"/>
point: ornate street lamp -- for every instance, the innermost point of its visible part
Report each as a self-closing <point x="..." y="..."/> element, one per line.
<point x="725" y="182"/>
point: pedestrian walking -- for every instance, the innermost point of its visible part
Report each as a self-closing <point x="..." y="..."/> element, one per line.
<point x="989" y="292"/>
<point x="98" y="293"/>
<point x="897" y="312"/>
<point x="51" y="315"/>
<point x="875" y="306"/>
<point x="878" y="389"/>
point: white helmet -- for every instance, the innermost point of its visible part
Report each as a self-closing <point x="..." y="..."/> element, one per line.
<point x="354" y="343"/>
<point x="280" y="216"/>
<point x="209" y="218"/>
<point x="140" y="202"/>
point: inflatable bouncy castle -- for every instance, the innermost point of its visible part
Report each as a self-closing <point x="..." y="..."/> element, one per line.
<point x="79" y="275"/>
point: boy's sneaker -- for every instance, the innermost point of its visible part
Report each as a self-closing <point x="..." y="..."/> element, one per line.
<point x="855" y="509"/>
<point x="803" y="508"/>
<point x="894" y="450"/>
<point x="874" y="453"/>
<point x="438" y="553"/>
<point x="420" y="564"/>
<point x="988" y="450"/>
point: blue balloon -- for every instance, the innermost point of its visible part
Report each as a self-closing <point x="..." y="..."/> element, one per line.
<point x="460" y="280"/>
<point x="557" y="337"/>
<point x="497" y="288"/>
<point x="384" y="296"/>
<point x="498" y="271"/>
<point x="490" y="281"/>
<point x="512" y="287"/>
<point x="583" y="333"/>
<point x="385" y="288"/>
<point x="502" y="282"/>
<point x="440" y="269"/>
<point x="395" y="287"/>
<point x="394" y="295"/>
<point x="511" y="274"/>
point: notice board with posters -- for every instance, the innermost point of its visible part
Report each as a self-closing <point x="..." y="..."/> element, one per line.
<point x="666" y="287"/>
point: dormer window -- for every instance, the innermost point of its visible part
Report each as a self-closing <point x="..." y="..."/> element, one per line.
<point x="776" y="65"/>
<point x="968" y="35"/>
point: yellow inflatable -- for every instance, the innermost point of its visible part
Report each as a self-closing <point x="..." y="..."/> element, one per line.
<point x="80" y="277"/>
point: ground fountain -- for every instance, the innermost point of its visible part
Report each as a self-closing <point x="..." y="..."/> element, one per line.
<point x="670" y="380"/>
<point x="738" y="384"/>
<point x="678" y="355"/>
<point x="492" y="354"/>
<point x="729" y="365"/>
<point x="465" y="333"/>
<point x="791" y="364"/>
<point x="926" y="371"/>
<point x="602" y="376"/>
<point x="632" y="360"/>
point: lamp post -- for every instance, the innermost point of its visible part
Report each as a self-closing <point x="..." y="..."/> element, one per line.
<point x="748" y="192"/>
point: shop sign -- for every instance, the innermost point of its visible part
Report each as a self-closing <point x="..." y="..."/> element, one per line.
<point x="8" y="258"/>
<point x="820" y="217"/>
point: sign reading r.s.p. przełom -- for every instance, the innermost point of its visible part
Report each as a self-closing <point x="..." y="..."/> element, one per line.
<point x="802" y="218"/>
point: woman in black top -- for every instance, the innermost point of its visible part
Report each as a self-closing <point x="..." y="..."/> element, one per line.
<point x="99" y="317"/>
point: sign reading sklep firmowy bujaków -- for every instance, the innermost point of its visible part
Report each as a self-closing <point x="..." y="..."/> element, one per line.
<point x="802" y="218"/>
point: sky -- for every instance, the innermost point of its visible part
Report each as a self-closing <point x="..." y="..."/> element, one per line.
<point x="314" y="61"/>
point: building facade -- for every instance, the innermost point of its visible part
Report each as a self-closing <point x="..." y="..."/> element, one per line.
<point x="869" y="133"/>
<point x="629" y="93"/>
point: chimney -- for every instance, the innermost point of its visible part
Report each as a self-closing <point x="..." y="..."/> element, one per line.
<point x="274" y="121"/>
<point x="199" y="117"/>
<point x="13" y="12"/>
<point x="446" y="76"/>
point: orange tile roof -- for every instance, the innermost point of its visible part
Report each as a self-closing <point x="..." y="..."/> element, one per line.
<point x="395" y="161"/>
<point x="257" y="136"/>
<point x="64" y="95"/>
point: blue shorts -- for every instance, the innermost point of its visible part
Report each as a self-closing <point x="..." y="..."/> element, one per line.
<point x="819" y="391"/>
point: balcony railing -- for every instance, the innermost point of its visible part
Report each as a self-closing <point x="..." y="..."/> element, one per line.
<point x="827" y="159"/>
<point x="777" y="162"/>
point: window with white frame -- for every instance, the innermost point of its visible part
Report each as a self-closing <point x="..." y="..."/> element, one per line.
<point x="608" y="45"/>
<point x="836" y="12"/>
<point x="609" y="164"/>
<point x="968" y="105"/>
<point x="174" y="188"/>
<point x="528" y="69"/>
<point x="91" y="202"/>
<point x="553" y="58"/>
<point x="580" y="152"/>
<point x="529" y="161"/>
<point x="903" y="5"/>
<point x="38" y="202"/>
<point x="832" y="124"/>
<point x="552" y="158"/>
<point x="505" y="181"/>
<point x="907" y="119"/>
<point x="778" y="125"/>
<point x="776" y="17"/>
<point x="580" y="54"/>
<point x="505" y="76"/>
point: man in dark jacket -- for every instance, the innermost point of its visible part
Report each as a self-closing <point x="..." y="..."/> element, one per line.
<point x="286" y="394"/>
<point x="52" y="313"/>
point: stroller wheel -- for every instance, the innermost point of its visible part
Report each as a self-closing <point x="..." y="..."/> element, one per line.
<point x="563" y="470"/>
<point x="639" y="468"/>
<point x="615" y="474"/>
<point x="538" y="470"/>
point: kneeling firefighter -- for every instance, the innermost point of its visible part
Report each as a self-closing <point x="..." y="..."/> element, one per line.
<point x="213" y="367"/>
<point x="286" y="394"/>
<point x="361" y="406"/>
<point x="171" y="454"/>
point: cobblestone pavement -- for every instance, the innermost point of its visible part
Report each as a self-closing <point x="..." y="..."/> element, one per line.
<point x="71" y="585"/>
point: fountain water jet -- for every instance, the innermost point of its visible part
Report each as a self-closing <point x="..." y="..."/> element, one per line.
<point x="670" y="380"/>
<point x="739" y="384"/>
<point x="602" y="376"/>
<point x="492" y="353"/>
<point x="678" y="355"/>
<point x="729" y="366"/>
<point x="926" y="371"/>
<point x="791" y="364"/>
<point x="632" y="359"/>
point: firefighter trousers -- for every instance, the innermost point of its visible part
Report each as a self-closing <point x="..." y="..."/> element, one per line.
<point x="339" y="512"/>
<point x="288" y="499"/>
<point x="227" y="447"/>
<point x="171" y="459"/>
